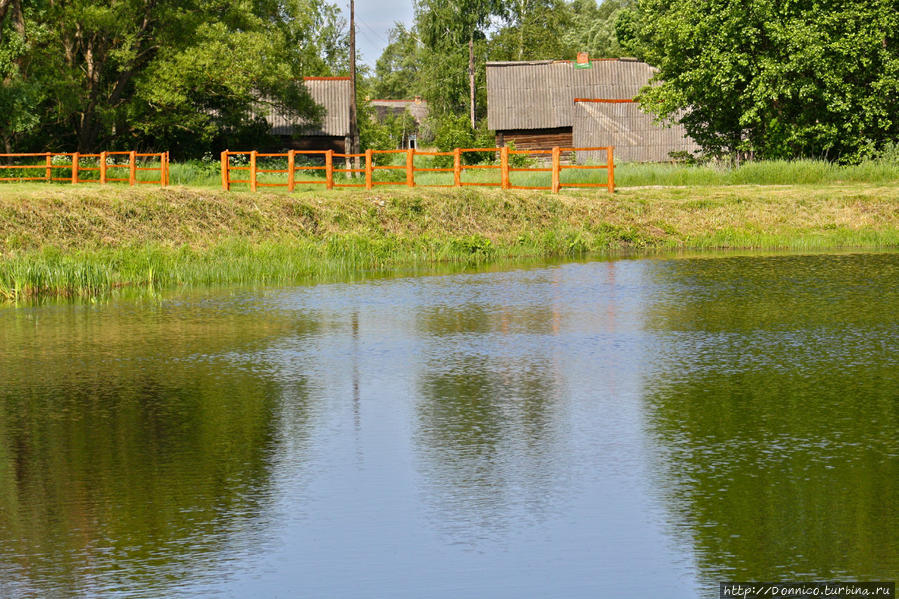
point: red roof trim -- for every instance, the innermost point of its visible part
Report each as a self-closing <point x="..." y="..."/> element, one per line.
<point x="605" y="100"/>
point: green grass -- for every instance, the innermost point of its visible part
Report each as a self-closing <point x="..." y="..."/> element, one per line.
<point x="798" y="172"/>
<point x="195" y="173"/>
<point x="233" y="261"/>
<point x="85" y="240"/>
<point x="207" y="174"/>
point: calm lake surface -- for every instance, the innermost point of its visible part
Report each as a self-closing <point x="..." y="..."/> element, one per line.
<point x="629" y="428"/>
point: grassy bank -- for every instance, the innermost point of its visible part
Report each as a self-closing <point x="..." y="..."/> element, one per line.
<point x="86" y="240"/>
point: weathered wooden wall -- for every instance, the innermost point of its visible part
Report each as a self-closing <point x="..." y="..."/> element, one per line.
<point x="313" y="142"/>
<point x="536" y="139"/>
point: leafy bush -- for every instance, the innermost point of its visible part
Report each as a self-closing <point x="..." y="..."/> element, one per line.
<point x="889" y="154"/>
<point x="454" y="131"/>
<point x="519" y="160"/>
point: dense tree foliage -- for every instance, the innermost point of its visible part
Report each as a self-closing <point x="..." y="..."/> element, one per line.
<point x="398" y="70"/>
<point x="763" y="78"/>
<point x="760" y="78"/>
<point x="593" y="29"/>
<point x="773" y="78"/>
<point x="178" y="74"/>
<point x="195" y="75"/>
<point x="532" y="30"/>
<point x="445" y="26"/>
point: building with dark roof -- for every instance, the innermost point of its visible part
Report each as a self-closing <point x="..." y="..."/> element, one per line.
<point x="417" y="109"/>
<point x="541" y="104"/>
<point x="334" y="94"/>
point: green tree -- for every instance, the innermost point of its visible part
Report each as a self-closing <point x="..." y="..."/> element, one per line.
<point x="535" y="30"/>
<point x="373" y="134"/>
<point x="18" y="98"/>
<point x="398" y="71"/>
<point x="454" y="131"/>
<point x="593" y="29"/>
<point x="543" y="29"/>
<point x="446" y="26"/>
<point x="178" y="74"/>
<point x="773" y="78"/>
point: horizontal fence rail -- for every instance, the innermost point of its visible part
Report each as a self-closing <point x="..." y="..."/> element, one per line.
<point x="243" y="168"/>
<point x="75" y="167"/>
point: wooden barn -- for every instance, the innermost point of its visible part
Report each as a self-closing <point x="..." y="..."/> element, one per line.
<point x="417" y="109"/>
<point x="542" y="104"/>
<point x="335" y="95"/>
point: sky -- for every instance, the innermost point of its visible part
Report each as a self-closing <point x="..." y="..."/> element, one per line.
<point x="374" y="18"/>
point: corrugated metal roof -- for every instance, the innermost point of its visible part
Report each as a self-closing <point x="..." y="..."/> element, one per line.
<point x="540" y="94"/>
<point x="334" y="94"/>
<point x="633" y="133"/>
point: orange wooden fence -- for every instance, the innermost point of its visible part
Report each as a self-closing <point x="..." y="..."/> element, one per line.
<point x="71" y="169"/>
<point x="370" y="168"/>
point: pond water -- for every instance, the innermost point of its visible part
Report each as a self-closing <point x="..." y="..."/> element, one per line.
<point x="622" y="428"/>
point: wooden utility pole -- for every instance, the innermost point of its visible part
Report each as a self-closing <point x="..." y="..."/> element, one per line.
<point x="471" y="76"/>
<point x="354" y="125"/>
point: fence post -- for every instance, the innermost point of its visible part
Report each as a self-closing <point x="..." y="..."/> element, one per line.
<point x="369" y="169"/>
<point x="163" y="168"/>
<point x="226" y="182"/>
<point x="253" y="170"/>
<point x="557" y="163"/>
<point x="610" y="152"/>
<point x="291" y="162"/>
<point x="457" y="167"/>
<point x="166" y="168"/>
<point x="102" y="168"/>
<point x="504" y="166"/>
<point x="410" y="167"/>
<point x="132" y="168"/>
<point x="49" y="174"/>
<point x="75" y="159"/>
<point x="329" y="169"/>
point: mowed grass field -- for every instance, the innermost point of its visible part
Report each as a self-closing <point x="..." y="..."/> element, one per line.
<point x="84" y="240"/>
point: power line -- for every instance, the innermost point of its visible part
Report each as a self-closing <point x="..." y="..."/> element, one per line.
<point x="368" y="38"/>
<point x="375" y="32"/>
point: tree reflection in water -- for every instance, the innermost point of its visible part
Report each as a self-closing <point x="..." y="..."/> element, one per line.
<point x="773" y="406"/>
<point x="487" y="414"/>
<point x="131" y="448"/>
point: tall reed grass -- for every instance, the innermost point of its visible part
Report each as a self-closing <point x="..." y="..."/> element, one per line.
<point x="86" y="240"/>
<point x="91" y="272"/>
